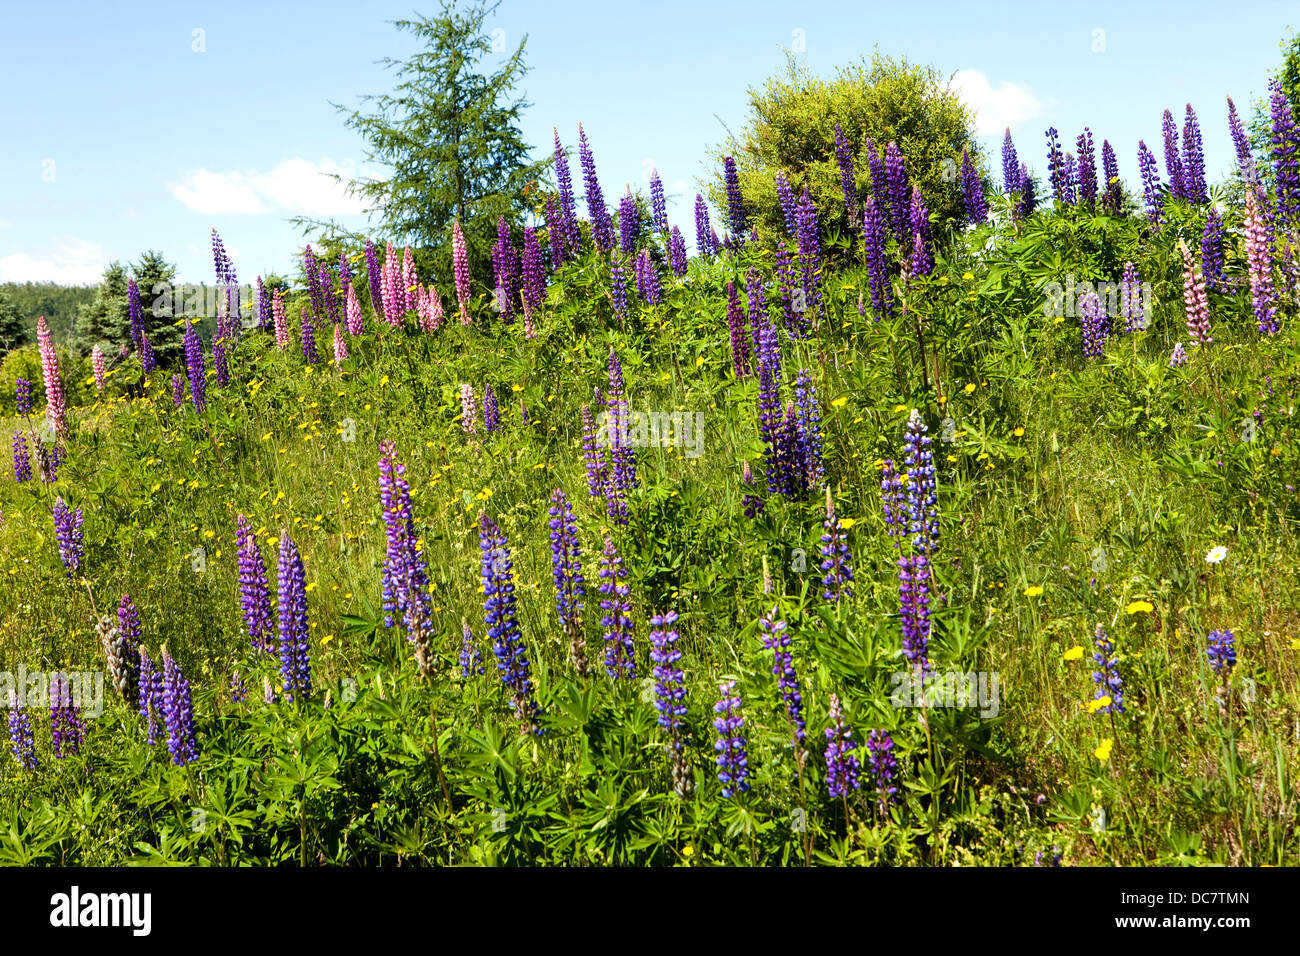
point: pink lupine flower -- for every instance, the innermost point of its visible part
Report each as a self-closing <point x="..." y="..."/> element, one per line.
<point x="460" y="266"/>
<point x="468" y="408"/>
<point x="340" y="345"/>
<point x="279" y="321"/>
<point x="55" y="407"/>
<point x="410" y="281"/>
<point x="1198" y="306"/>
<point x="353" y="312"/>
<point x="97" y="363"/>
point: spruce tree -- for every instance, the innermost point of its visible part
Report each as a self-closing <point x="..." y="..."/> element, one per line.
<point x="450" y="134"/>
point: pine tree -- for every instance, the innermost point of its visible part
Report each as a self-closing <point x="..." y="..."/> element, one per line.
<point x="103" y="321"/>
<point x="450" y="134"/>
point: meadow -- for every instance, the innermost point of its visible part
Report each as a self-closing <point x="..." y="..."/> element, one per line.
<point x="932" y="541"/>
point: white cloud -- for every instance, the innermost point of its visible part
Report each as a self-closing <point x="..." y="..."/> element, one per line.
<point x="294" y="186"/>
<point x="995" y="109"/>
<point x="4" y="223"/>
<point x="72" y="261"/>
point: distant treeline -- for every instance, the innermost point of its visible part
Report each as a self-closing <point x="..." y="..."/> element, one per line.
<point x="58" y="303"/>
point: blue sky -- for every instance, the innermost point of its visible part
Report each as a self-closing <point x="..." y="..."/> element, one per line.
<point x="122" y="135"/>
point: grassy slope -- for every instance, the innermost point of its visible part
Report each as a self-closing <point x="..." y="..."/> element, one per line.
<point x="1097" y="464"/>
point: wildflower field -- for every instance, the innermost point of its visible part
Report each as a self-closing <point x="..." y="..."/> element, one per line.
<point x="936" y="539"/>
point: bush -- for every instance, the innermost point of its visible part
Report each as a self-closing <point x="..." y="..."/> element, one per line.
<point x="792" y="129"/>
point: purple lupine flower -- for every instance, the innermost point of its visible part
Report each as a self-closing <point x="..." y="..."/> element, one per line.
<point x="151" y="693"/>
<point x="629" y="223"/>
<point x="49" y="456"/>
<point x="1112" y="193"/>
<point x="1056" y="167"/>
<point x="1070" y="177"/>
<point x="311" y="271"/>
<point x="23" y="396"/>
<point x="842" y="767"/>
<point x="1010" y="165"/>
<point x="733" y="759"/>
<point x="329" y="296"/>
<point x="1193" y="159"/>
<point x="602" y="227"/>
<point x="1212" y="252"/>
<point x="502" y="271"/>
<point x="123" y="652"/>
<point x="309" y="353"/>
<point x="295" y="659"/>
<point x="622" y="471"/>
<point x="879" y="177"/>
<point x="264" y="319"/>
<point x="1028" y="201"/>
<point x="922" y="258"/>
<point x="1245" y="160"/>
<point x="345" y="271"/>
<point x="591" y="454"/>
<point x="893" y="502"/>
<point x="770" y="413"/>
<point x="196" y="368"/>
<point x="375" y="277"/>
<point x="922" y="489"/>
<point x="568" y="207"/>
<point x="135" y="312"/>
<point x="1285" y="150"/>
<point x="178" y="713"/>
<point x="790" y="452"/>
<point x="491" y="414"/>
<point x="786" y="198"/>
<point x="405" y="578"/>
<point x="1132" y="304"/>
<point x="471" y="656"/>
<point x="791" y="290"/>
<point x="777" y="640"/>
<point x="1178" y="357"/>
<point x="1087" y="170"/>
<point x="882" y="767"/>
<point x="66" y="727"/>
<point x="750" y="501"/>
<point x="737" y="222"/>
<point x="254" y="591"/>
<point x="219" y="361"/>
<point x="810" y="264"/>
<point x="848" y="180"/>
<point x="1173" y="159"/>
<point x="705" y="239"/>
<point x="1194" y="298"/>
<point x="677" y="253"/>
<point x="658" y="205"/>
<point x="566" y="572"/>
<point x="558" y="233"/>
<point x="22" y="458"/>
<point x="67" y="531"/>
<point x="22" y="742"/>
<point x="1259" y="260"/>
<point x="738" y="333"/>
<point x="873" y="232"/>
<point x="972" y="192"/>
<point x="1107" y="677"/>
<point x="837" y="568"/>
<point x="533" y="272"/>
<point x="647" y="278"/>
<point x="670" y="693"/>
<point x="238" y="691"/>
<point x="618" y="284"/>
<point x="502" y="623"/>
<point x="1151" y="195"/>
<point x="808" y="415"/>
<point x="900" y="193"/>
<point x="620" y="651"/>
<point x="1096" y="324"/>
<point x="178" y="391"/>
<point x="1222" y="652"/>
<point x="148" y="360"/>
